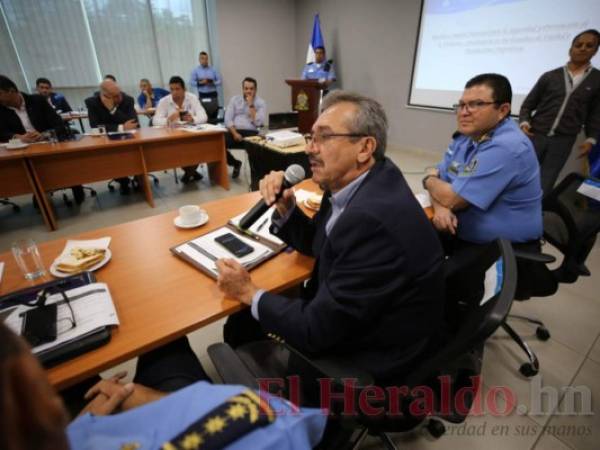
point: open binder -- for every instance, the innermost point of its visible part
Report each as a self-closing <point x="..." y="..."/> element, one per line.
<point x="54" y="353"/>
<point x="202" y="251"/>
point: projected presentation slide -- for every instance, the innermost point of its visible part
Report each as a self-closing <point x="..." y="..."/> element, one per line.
<point x="520" y="39"/>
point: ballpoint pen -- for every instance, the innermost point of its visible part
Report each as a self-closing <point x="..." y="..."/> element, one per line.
<point x="262" y="224"/>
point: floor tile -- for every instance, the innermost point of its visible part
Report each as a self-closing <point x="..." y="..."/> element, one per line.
<point x="559" y="312"/>
<point x="489" y="431"/>
<point x="558" y="366"/>
<point x="549" y="442"/>
<point x="580" y="431"/>
<point x="595" y="352"/>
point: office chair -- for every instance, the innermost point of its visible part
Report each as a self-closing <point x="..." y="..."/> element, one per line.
<point x="213" y="110"/>
<point x="7" y="202"/>
<point x="67" y="200"/>
<point x="571" y="224"/>
<point x="134" y="182"/>
<point x="457" y="355"/>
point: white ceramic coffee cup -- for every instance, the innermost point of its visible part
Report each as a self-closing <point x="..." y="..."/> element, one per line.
<point x="190" y="214"/>
<point x="95" y="131"/>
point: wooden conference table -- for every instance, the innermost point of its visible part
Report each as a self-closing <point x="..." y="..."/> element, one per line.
<point x="56" y="166"/>
<point x="158" y="296"/>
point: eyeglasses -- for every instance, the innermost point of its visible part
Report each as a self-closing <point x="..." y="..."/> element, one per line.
<point x="472" y="106"/>
<point x="42" y="297"/>
<point x="320" y="138"/>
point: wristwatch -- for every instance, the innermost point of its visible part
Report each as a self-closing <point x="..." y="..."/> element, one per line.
<point x="424" y="181"/>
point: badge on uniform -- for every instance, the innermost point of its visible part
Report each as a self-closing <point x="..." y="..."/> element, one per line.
<point x="454" y="166"/>
<point x="470" y="168"/>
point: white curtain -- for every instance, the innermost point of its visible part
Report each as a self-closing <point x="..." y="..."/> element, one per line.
<point x="52" y="41"/>
<point x="75" y="43"/>
<point x="181" y="34"/>
<point x="123" y="39"/>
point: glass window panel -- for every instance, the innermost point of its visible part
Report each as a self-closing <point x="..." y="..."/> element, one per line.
<point x="124" y="40"/>
<point x="52" y="41"/>
<point x="181" y="33"/>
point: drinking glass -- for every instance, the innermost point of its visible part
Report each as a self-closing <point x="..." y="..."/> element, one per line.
<point x="28" y="258"/>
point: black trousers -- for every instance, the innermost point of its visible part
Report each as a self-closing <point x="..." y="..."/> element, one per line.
<point x="464" y="271"/>
<point x="552" y="152"/>
<point x="170" y="367"/>
<point x="230" y="142"/>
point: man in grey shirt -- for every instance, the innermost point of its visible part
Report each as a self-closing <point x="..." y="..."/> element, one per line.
<point x="244" y="115"/>
<point x="561" y="102"/>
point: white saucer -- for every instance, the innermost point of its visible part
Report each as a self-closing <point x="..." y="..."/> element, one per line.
<point x="16" y="147"/>
<point x="57" y="273"/>
<point x="203" y="219"/>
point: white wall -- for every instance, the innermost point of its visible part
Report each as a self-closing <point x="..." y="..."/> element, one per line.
<point x="257" y="38"/>
<point x="372" y="44"/>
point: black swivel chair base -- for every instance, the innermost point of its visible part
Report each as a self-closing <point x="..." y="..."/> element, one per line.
<point x="134" y="183"/>
<point x="528" y="369"/>
<point x="67" y="200"/>
<point x="92" y="191"/>
<point x="15" y="207"/>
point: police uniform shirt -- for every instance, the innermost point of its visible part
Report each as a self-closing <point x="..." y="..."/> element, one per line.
<point x="499" y="177"/>
<point x="314" y="71"/>
<point x="154" y="425"/>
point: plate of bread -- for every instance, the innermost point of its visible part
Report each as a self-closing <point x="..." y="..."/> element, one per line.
<point x="313" y="202"/>
<point x="79" y="259"/>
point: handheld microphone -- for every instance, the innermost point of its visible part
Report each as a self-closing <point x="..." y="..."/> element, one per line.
<point x="293" y="175"/>
<point x="328" y="64"/>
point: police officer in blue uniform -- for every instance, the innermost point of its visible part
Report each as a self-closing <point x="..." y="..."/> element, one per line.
<point x="488" y="184"/>
<point x="320" y="69"/>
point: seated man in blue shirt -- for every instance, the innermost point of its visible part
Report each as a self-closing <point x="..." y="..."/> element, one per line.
<point x="56" y="100"/>
<point x="319" y="69"/>
<point x="150" y="96"/>
<point x="244" y="115"/>
<point x="33" y="415"/>
<point x="488" y="184"/>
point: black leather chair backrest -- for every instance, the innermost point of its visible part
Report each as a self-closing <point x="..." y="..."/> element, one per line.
<point x="572" y="222"/>
<point x="211" y="106"/>
<point x="479" y="319"/>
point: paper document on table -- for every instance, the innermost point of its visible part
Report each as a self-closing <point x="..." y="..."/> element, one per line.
<point x="202" y="127"/>
<point x="93" y="309"/>
<point x="1" y="270"/>
<point x="260" y="227"/>
<point x="590" y="188"/>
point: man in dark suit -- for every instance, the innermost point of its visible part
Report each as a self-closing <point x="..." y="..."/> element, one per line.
<point x="376" y="292"/>
<point x="26" y="117"/>
<point x="115" y="110"/>
<point x="56" y="100"/>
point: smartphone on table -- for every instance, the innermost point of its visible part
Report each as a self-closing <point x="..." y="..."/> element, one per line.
<point x="234" y="245"/>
